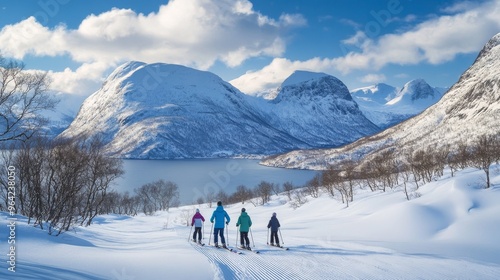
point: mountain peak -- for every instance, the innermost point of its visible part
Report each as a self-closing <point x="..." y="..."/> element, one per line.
<point x="300" y="76"/>
<point x="492" y="43"/>
<point x="306" y="85"/>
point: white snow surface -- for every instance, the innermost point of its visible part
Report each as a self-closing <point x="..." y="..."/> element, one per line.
<point x="449" y="231"/>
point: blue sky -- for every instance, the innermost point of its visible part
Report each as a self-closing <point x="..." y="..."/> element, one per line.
<point x="255" y="44"/>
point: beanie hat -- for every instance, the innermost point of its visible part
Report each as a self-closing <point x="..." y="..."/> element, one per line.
<point x="197" y="210"/>
<point x="274" y="214"/>
<point x="243" y="210"/>
<point x="219" y="203"/>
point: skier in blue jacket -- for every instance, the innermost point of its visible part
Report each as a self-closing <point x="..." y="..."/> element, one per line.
<point x="221" y="217"/>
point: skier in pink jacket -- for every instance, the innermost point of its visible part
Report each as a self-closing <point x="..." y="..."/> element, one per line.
<point x="197" y="222"/>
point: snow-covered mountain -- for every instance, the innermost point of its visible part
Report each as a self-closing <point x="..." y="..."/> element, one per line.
<point x="379" y="93"/>
<point x="171" y="111"/>
<point x="470" y="108"/>
<point x="386" y="105"/>
<point x="318" y="109"/>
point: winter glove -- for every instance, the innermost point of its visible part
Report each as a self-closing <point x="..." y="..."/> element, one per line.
<point x="227" y="223"/>
<point x="237" y="225"/>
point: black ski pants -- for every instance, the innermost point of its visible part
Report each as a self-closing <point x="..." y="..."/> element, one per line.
<point x="244" y="238"/>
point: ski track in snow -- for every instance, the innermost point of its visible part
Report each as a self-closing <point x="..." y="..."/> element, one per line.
<point x="352" y="262"/>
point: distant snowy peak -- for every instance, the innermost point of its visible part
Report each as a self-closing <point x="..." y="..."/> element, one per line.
<point x="414" y="92"/>
<point x="418" y="89"/>
<point x="310" y="85"/>
<point x="379" y="93"/>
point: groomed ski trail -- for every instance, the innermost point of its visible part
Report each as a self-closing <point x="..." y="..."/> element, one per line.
<point x="347" y="261"/>
<point x="245" y="266"/>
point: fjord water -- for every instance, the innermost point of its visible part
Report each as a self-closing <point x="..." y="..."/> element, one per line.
<point x="198" y="177"/>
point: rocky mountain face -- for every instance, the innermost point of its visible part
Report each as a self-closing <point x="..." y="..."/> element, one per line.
<point x="159" y="111"/>
<point x="318" y="109"/>
<point x="470" y="108"/>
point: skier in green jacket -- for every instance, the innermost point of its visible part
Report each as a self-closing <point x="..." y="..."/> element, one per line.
<point x="244" y="222"/>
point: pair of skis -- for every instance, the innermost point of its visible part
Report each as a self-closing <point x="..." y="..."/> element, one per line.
<point x="229" y="249"/>
<point x="250" y="250"/>
<point x="198" y="243"/>
<point x="281" y="247"/>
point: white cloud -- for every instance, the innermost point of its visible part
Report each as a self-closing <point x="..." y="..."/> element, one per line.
<point x="191" y="32"/>
<point x="373" y="78"/>
<point x="437" y="40"/>
<point x="434" y="41"/>
<point x="83" y="81"/>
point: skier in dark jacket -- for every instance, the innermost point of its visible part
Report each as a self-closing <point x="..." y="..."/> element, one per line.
<point x="274" y="225"/>
<point x="220" y="215"/>
<point x="244" y="222"/>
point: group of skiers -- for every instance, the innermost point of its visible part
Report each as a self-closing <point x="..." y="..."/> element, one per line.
<point x="244" y="223"/>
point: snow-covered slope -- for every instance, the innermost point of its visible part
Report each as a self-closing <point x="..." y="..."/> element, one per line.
<point x="449" y="232"/>
<point x="386" y="106"/>
<point x="171" y="111"/>
<point x="470" y="108"/>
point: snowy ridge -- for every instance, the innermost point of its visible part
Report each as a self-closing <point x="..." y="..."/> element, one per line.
<point x="470" y="108"/>
<point x="449" y="232"/>
<point x="159" y="111"/>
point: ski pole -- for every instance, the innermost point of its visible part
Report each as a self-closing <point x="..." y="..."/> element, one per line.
<point x="267" y="237"/>
<point x="189" y="236"/>
<point x="227" y="233"/>
<point x="282" y="242"/>
<point x="251" y="235"/>
<point x="203" y="231"/>
<point x="210" y="237"/>
<point x="236" y="244"/>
